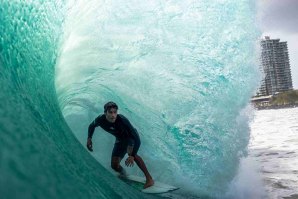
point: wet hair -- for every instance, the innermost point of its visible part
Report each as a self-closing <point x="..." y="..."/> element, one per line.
<point x="109" y="106"/>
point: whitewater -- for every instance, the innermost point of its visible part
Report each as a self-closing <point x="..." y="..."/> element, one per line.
<point x="182" y="72"/>
<point x="273" y="149"/>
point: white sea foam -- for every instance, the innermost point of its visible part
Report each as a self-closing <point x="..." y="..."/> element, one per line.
<point x="274" y="146"/>
<point x="247" y="183"/>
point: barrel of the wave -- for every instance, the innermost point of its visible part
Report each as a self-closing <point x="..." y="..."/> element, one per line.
<point x="181" y="71"/>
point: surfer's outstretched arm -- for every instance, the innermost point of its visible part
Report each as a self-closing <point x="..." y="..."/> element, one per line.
<point x="89" y="139"/>
<point x="91" y="129"/>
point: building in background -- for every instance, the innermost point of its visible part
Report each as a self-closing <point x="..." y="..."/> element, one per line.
<point x="275" y="66"/>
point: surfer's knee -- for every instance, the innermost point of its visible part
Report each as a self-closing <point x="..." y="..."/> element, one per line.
<point x="115" y="166"/>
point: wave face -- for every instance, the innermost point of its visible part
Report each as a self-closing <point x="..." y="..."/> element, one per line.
<point x="180" y="71"/>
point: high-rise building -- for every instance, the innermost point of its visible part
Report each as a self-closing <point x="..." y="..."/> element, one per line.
<point x="276" y="67"/>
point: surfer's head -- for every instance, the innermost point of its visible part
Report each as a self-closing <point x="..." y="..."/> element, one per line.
<point x="110" y="110"/>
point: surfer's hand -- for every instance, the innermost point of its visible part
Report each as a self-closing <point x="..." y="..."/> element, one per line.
<point x="89" y="144"/>
<point x="129" y="161"/>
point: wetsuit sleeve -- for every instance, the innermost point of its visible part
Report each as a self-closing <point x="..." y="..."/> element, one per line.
<point x="133" y="134"/>
<point x="95" y="123"/>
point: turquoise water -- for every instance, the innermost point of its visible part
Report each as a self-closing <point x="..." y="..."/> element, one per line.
<point x="180" y="71"/>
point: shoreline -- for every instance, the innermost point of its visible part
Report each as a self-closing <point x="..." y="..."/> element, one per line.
<point x="268" y="107"/>
<point x="286" y="99"/>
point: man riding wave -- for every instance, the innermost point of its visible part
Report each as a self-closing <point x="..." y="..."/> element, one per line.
<point x="127" y="140"/>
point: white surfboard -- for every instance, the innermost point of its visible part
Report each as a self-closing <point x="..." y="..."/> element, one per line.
<point x="158" y="187"/>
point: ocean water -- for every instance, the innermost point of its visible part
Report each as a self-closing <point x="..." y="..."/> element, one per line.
<point x="181" y="71"/>
<point x="274" y="147"/>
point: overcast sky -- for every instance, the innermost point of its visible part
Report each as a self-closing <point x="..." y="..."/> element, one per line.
<point x="279" y="19"/>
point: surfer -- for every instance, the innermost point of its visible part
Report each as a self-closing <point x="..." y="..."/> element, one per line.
<point x="127" y="140"/>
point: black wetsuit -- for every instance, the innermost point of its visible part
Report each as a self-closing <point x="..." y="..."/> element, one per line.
<point x="126" y="135"/>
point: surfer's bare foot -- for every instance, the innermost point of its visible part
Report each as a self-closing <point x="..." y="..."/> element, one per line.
<point x="121" y="176"/>
<point x="149" y="183"/>
<point x="122" y="173"/>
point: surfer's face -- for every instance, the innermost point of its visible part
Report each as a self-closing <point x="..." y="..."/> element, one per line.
<point x="111" y="115"/>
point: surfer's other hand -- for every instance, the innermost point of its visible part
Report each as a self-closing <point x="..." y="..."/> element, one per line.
<point x="129" y="161"/>
<point x="89" y="144"/>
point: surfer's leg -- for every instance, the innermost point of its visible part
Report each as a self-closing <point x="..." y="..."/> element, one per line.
<point x="115" y="164"/>
<point x="118" y="153"/>
<point x="142" y="166"/>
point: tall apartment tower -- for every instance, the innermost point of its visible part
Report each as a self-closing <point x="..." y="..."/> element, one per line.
<point x="276" y="67"/>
